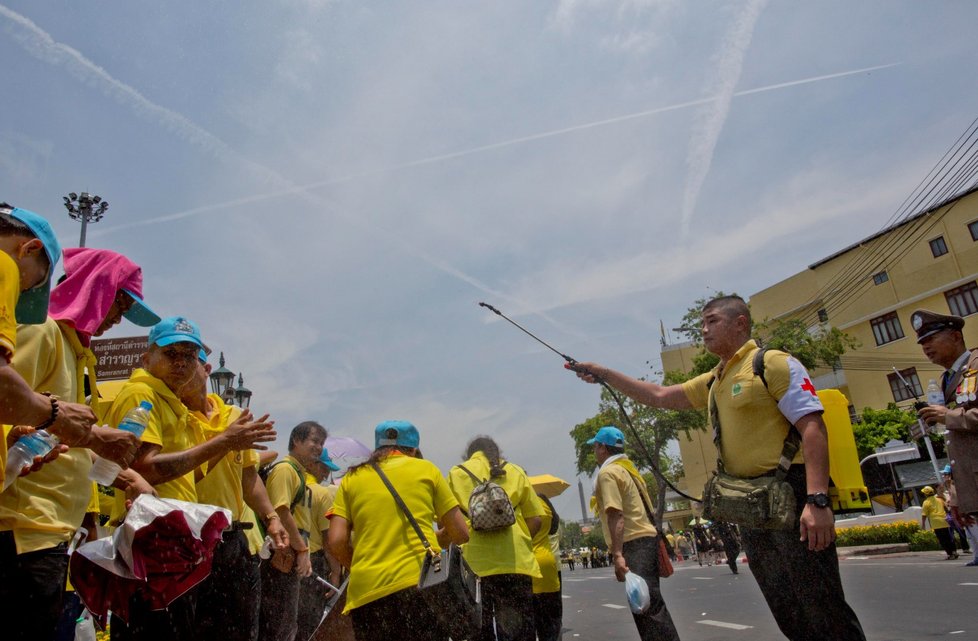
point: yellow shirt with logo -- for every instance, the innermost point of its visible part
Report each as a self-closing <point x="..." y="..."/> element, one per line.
<point x="45" y="507"/>
<point x="168" y="427"/>
<point x="388" y="554"/>
<point x="754" y="420"/>
<point x="283" y="484"/>
<point x="616" y="488"/>
<point x="934" y="510"/>
<point x="221" y="484"/>
<point x="320" y="503"/>
<point x="548" y="581"/>
<point x="9" y="295"/>
<point x="506" y="551"/>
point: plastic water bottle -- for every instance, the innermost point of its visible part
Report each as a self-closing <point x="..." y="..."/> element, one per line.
<point x="936" y="397"/>
<point x="104" y="471"/>
<point x="22" y="453"/>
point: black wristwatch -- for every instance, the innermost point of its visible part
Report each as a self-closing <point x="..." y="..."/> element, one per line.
<point x="819" y="499"/>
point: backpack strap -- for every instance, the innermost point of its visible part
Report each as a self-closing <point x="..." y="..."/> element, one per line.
<point x="475" y="478"/>
<point x="300" y="493"/>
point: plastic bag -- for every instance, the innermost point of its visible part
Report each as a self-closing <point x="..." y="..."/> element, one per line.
<point x="637" y="591"/>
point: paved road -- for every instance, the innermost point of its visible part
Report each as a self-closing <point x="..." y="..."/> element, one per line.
<point x="897" y="598"/>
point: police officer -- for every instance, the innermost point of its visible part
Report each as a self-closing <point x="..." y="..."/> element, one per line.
<point x="939" y="335"/>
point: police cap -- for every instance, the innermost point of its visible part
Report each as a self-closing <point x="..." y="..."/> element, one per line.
<point x="927" y="323"/>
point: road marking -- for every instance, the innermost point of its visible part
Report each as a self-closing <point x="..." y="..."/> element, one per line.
<point x="957" y="632"/>
<point x="564" y="596"/>
<point x="703" y="578"/>
<point x="613" y="606"/>
<point x="967" y="583"/>
<point x="722" y="624"/>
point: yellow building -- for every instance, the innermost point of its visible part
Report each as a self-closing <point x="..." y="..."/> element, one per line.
<point x="869" y="290"/>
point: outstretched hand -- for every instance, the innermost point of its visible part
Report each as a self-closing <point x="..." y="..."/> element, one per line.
<point x="246" y="433"/>
<point x="587" y="372"/>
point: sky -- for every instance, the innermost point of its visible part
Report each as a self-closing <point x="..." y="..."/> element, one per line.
<point x="330" y="187"/>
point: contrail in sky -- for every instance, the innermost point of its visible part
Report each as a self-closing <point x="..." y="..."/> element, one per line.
<point x="43" y="46"/>
<point x="730" y="63"/>
<point x="203" y="209"/>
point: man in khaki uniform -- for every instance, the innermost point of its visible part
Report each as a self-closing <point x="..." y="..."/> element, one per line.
<point x="632" y="539"/>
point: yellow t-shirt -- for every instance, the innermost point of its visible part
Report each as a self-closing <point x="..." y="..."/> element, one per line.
<point x="548" y="581"/>
<point x="934" y="510"/>
<point x="9" y="295"/>
<point x="168" y="427"/>
<point x="283" y="484"/>
<point x="754" y="420"/>
<point x="320" y="503"/>
<point x="616" y="488"/>
<point x="388" y="554"/>
<point x="507" y="551"/>
<point x="221" y="484"/>
<point x="45" y="507"/>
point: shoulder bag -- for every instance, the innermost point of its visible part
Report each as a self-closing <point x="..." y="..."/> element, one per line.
<point x="665" y="563"/>
<point x="767" y="502"/>
<point x="447" y="583"/>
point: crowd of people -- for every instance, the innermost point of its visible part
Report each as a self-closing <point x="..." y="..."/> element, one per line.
<point x="293" y="540"/>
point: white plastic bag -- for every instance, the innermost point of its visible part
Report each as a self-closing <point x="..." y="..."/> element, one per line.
<point x="84" y="627"/>
<point x="637" y="591"/>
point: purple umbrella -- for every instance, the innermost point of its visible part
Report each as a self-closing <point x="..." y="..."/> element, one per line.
<point x="346" y="452"/>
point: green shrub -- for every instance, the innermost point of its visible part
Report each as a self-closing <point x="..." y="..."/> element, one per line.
<point x="924" y="541"/>
<point x="882" y="534"/>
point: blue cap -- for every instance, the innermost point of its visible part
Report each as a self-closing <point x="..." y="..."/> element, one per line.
<point x="328" y="462"/>
<point x="946" y="470"/>
<point x="609" y="435"/>
<point x="175" y="329"/>
<point x="140" y="313"/>
<point x="32" y="306"/>
<point x="396" y="433"/>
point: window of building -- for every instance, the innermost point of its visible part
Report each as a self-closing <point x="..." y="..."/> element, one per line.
<point x="938" y="247"/>
<point x="899" y="389"/>
<point x="880" y="278"/>
<point x="823" y="316"/>
<point x="963" y="300"/>
<point x="973" y="228"/>
<point x="886" y="328"/>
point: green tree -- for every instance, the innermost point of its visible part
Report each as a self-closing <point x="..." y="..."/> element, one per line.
<point x="876" y="427"/>
<point x="595" y="539"/>
<point x="570" y="535"/>
<point x="818" y="347"/>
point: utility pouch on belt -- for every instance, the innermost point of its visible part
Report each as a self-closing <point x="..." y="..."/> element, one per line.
<point x="766" y="502"/>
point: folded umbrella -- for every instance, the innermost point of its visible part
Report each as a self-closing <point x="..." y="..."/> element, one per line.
<point x="163" y="549"/>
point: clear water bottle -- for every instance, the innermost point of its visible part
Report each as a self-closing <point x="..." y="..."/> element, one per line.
<point x="104" y="471"/>
<point x="22" y="453"/>
<point x="936" y="397"/>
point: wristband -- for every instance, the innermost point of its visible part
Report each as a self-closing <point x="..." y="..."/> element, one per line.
<point x="52" y="418"/>
<point x="305" y="549"/>
<point x="270" y="516"/>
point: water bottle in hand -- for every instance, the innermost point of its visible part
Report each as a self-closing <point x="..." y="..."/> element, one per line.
<point x="22" y="453"/>
<point x="935" y="397"/>
<point x="104" y="471"/>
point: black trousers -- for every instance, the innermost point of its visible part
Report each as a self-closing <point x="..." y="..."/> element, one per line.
<point x="946" y="539"/>
<point x="229" y="598"/>
<point x="802" y="588"/>
<point x="403" y="616"/>
<point x="548" y="614"/>
<point x="642" y="557"/>
<point x="507" y="601"/>
<point x="278" y="619"/>
<point x="32" y="587"/>
<point x="177" y="621"/>
<point x="312" y="597"/>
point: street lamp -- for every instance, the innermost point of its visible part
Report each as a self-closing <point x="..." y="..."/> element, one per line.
<point x="86" y="208"/>
<point x="242" y="394"/>
<point x="221" y="379"/>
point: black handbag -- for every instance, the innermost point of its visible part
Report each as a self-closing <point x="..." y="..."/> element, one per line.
<point x="447" y="583"/>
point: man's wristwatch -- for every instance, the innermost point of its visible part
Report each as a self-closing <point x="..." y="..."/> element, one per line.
<point x="819" y="499"/>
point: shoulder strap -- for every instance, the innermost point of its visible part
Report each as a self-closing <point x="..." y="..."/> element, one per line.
<point x="299" y="493"/>
<point x="404" y="508"/>
<point x="758" y="364"/>
<point x="475" y="478"/>
<point x="645" y="504"/>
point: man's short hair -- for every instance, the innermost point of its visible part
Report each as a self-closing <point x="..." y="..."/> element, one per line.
<point x="614" y="450"/>
<point x="10" y="226"/>
<point x="731" y="305"/>
<point x="303" y="431"/>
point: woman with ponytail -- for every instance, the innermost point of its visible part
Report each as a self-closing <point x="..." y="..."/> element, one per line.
<point x="503" y="558"/>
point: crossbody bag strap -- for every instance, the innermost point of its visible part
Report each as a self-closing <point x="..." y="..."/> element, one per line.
<point x="475" y="478"/>
<point x="641" y="494"/>
<point x="404" y="508"/>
